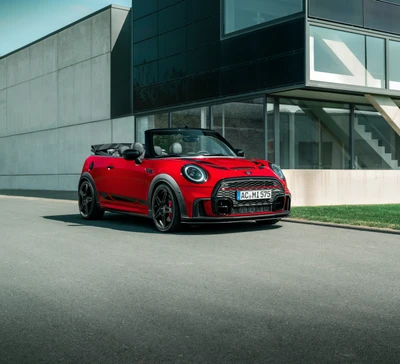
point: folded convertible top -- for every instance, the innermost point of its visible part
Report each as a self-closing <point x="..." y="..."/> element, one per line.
<point x="106" y="148"/>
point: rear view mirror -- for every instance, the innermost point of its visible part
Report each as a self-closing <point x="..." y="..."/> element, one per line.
<point x="131" y="154"/>
<point x="239" y="152"/>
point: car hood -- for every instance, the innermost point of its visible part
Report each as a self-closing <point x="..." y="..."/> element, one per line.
<point x="233" y="167"/>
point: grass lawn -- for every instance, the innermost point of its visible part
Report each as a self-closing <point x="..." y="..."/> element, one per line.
<point x="380" y="216"/>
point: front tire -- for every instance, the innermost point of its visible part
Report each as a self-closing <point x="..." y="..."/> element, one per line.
<point x="87" y="201"/>
<point x="268" y="222"/>
<point x="165" y="208"/>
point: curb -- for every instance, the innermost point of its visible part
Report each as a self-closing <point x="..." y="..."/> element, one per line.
<point x="343" y="226"/>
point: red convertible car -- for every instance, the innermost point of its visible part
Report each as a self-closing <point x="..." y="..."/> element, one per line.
<point x="182" y="176"/>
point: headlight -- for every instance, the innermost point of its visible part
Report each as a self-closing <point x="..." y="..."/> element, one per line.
<point x="277" y="170"/>
<point x="194" y="173"/>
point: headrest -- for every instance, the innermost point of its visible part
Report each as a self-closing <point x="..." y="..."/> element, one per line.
<point x="175" y="148"/>
<point x="157" y="150"/>
<point x="138" y="146"/>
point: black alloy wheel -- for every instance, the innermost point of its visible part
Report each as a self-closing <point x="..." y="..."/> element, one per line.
<point x="165" y="208"/>
<point x="88" y="206"/>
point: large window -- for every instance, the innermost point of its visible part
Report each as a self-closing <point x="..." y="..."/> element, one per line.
<point x="394" y="69"/>
<point x="314" y="135"/>
<point x="149" y="122"/>
<point x="346" y="58"/>
<point x="242" y="14"/>
<point x="192" y="118"/>
<point x="376" y="144"/>
<point x="242" y="124"/>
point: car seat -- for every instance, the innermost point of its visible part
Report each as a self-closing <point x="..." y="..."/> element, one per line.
<point x="139" y="147"/>
<point x="175" y="148"/>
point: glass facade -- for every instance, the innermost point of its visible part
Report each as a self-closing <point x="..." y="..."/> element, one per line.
<point x="377" y="146"/>
<point x="243" y="14"/>
<point x="394" y="69"/>
<point x="192" y="118"/>
<point x="347" y="58"/>
<point x="314" y="135"/>
<point x="242" y="124"/>
<point x="297" y="134"/>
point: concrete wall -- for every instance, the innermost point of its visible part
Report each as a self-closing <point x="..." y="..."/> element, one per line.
<point x="343" y="187"/>
<point x="55" y="102"/>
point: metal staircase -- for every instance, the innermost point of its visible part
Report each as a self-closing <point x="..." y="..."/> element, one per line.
<point x="375" y="145"/>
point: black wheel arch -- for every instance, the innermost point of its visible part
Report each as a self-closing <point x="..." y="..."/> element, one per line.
<point x="167" y="179"/>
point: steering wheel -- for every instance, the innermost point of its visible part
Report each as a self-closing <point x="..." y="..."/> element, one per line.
<point x="203" y="152"/>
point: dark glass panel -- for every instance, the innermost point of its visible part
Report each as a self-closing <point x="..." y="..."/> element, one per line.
<point x="145" y="51"/>
<point x="382" y="16"/>
<point x="145" y="98"/>
<point x="344" y="11"/>
<point x="279" y="39"/>
<point x="203" y="32"/>
<point x="203" y="59"/>
<point x="172" y="17"/>
<point x="282" y="71"/>
<point x="239" y="79"/>
<point x="164" y="3"/>
<point x="145" y="28"/>
<point x="145" y="75"/>
<point x="172" y="42"/>
<point x="197" y="10"/>
<point x="142" y="8"/>
<point x="172" y="67"/>
<point x="172" y="93"/>
<point x="204" y="86"/>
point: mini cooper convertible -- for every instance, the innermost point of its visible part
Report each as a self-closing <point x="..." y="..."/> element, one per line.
<point x="182" y="176"/>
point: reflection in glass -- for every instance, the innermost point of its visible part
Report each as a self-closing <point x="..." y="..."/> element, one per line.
<point x="242" y="123"/>
<point x="192" y="118"/>
<point x="346" y="58"/>
<point x="376" y="144"/>
<point x="394" y="69"/>
<point x="149" y="122"/>
<point x="314" y="135"/>
<point x="343" y="11"/>
<point x="241" y="14"/>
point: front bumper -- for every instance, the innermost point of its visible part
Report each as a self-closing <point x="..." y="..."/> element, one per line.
<point x="232" y="219"/>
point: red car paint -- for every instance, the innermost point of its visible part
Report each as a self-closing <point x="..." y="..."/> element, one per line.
<point x="126" y="185"/>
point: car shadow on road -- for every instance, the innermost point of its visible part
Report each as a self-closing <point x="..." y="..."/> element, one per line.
<point x="129" y="223"/>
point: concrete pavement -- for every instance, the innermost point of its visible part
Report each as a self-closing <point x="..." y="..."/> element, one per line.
<point x="117" y="291"/>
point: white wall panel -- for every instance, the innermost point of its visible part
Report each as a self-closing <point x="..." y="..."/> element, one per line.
<point x="37" y="153"/>
<point x="66" y="96"/>
<point x="101" y="86"/>
<point x="68" y="182"/>
<point x="18" y="69"/>
<point x="3" y="73"/>
<point x="36" y="60"/>
<point x="18" y="108"/>
<point x="101" y="24"/>
<point x="123" y="130"/>
<point x="3" y="112"/>
<point x="74" y="144"/>
<point x="82" y="92"/>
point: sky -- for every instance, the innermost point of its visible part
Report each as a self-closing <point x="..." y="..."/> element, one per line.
<point x="24" y="21"/>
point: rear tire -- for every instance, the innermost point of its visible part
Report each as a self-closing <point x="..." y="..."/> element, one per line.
<point x="268" y="222"/>
<point x="165" y="209"/>
<point x="87" y="201"/>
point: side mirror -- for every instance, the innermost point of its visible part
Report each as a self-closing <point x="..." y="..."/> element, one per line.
<point x="239" y="152"/>
<point x="131" y="154"/>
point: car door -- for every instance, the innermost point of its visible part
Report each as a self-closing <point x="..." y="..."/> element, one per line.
<point x="126" y="185"/>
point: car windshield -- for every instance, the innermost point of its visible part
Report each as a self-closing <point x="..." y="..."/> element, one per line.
<point x="189" y="143"/>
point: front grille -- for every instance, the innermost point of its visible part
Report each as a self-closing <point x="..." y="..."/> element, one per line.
<point x="227" y="189"/>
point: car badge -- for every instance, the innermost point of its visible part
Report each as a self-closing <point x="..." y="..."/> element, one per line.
<point x="247" y="172"/>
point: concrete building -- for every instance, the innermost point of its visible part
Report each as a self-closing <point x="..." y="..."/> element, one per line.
<point x="56" y="99"/>
<point x="312" y="85"/>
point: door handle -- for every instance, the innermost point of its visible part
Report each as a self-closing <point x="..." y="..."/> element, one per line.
<point x="110" y="167"/>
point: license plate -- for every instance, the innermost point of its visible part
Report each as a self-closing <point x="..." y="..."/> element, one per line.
<point x="253" y="195"/>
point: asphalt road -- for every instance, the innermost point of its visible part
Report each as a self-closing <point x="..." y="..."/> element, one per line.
<point x="116" y="291"/>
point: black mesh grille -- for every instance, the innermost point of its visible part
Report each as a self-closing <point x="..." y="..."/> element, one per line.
<point x="228" y="189"/>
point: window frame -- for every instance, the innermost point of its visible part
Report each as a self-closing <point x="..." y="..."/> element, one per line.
<point x="253" y="28"/>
